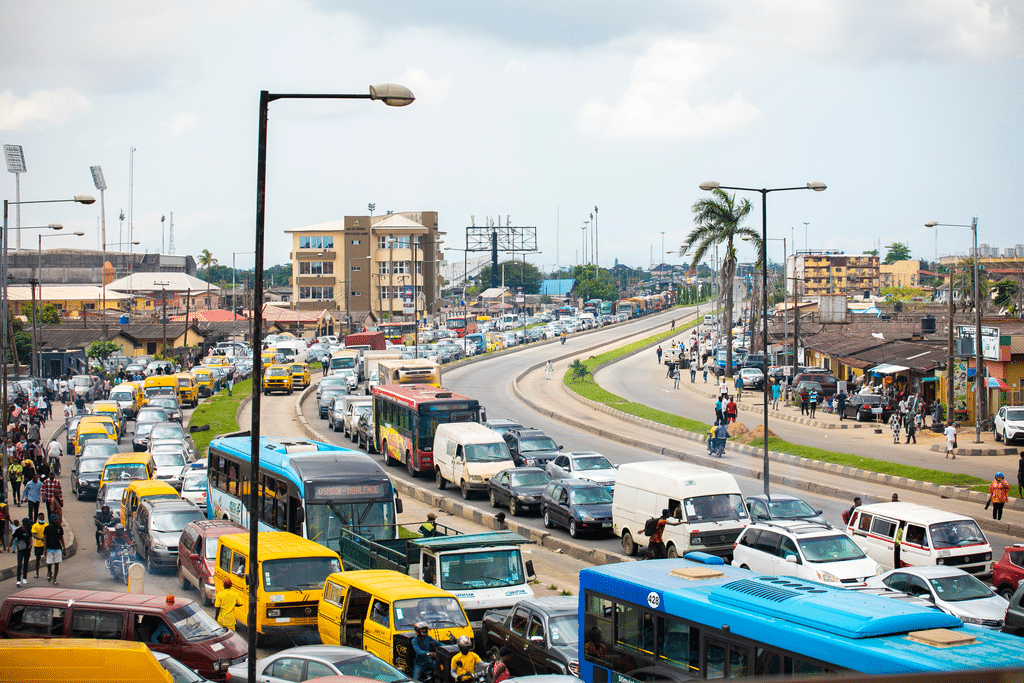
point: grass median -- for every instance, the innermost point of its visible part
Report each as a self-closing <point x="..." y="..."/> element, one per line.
<point x="219" y="412"/>
<point x="588" y="388"/>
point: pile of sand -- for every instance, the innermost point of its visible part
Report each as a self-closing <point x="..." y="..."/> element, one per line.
<point x="754" y="437"/>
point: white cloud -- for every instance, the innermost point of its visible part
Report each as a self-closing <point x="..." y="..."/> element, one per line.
<point x="181" y="123"/>
<point x="41" y="109"/>
<point x="666" y="97"/>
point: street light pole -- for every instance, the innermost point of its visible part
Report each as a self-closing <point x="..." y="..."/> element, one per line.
<point x="392" y="95"/>
<point x="817" y="187"/>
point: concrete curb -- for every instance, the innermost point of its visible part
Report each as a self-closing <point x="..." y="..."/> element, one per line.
<point x="940" y="448"/>
<point x="71" y="547"/>
<point x="856" y="474"/>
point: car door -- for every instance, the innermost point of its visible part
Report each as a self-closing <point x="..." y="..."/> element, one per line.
<point x="757" y="509"/>
<point x="140" y="531"/>
<point x="559" y="467"/>
<point x="516" y="640"/>
<point x="285" y="669"/>
<point x="763" y="557"/>
<point x="564" y="512"/>
<point x="502" y="485"/>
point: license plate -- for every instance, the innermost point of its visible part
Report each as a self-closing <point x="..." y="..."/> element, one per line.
<point x="606" y="524"/>
<point x="283" y="620"/>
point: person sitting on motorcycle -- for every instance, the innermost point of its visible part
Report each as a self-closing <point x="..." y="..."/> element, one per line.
<point x="102" y="519"/>
<point x="464" y="664"/>
<point x="423" y="645"/>
<point x="120" y="536"/>
<point x="721" y="435"/>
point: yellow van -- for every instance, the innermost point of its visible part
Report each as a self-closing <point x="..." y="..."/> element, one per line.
<point x="112" y="410"/>
<point x="139" y="491"/>
<point x="126" y="396"/>
<point x="128" y="466"/>
<point x="87" y="431"/>
<point x="277" y="378"/>
<point x="301" y="376"/>
<point x="204" y="381"/>
<point x="160" y="384"/>
<point x="107" y="420"/>
<point x="215" y="362"/>
<point x="188" y="389"/>
<point x="292" y="572"/>
<point x="82" y="660"/>
<point x="367" y="609"/>
<point x="268" y="357"/>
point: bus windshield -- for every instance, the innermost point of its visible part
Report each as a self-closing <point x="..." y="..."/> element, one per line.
<point x="956" y="534"/>
<point x="456" y="323"/>
<point x="429" y="421"/>
<point x="487" y="569"/>
<point x="487" y="452"/>
<point x="370" y="519"/>
<point x="437" y="612"/>
<point x="716" y="506"/>
<point x="343" y="362"/>
<point x="298" y="573"/>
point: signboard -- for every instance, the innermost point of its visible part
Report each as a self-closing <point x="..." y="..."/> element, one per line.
<point x="520" y="298"/>
<point x="408" y="305"/>
<point x="989" y="340"/>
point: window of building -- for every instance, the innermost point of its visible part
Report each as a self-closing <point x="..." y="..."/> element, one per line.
<point x="382" y="267"/>
<point x="385" y="292"/>
<point x="355" y="294"/>
<point x="328" y="241"/>
<point x="316" y="293"/>
<point x="401" y="241"/>
<point x="355" y="242"/>
<point x="401" y="267"/>
<point x="382" y="242"/>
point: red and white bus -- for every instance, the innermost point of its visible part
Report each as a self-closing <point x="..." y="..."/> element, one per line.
<point x="462" y="325"/>
<point x="405" y="417"/>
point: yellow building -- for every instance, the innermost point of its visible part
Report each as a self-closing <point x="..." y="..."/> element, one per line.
<point x="832" y="272"/>
<point x="70" y="300"/>
<point x="900" y="274"/>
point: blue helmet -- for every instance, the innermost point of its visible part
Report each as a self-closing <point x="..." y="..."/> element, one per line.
<point x="999" y="475"/>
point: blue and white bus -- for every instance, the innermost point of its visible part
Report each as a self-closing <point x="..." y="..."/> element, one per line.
<point x="674" y="620"/>
<point x="308" y="488"/>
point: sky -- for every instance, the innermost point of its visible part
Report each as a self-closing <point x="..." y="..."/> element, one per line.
<point x="533" y="112"/>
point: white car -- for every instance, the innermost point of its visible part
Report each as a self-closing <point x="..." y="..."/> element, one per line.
<point x="351" y="381"/>
<point x="952" y="590"/>
<point x="806" y="550"/>
<point x="583" y="465"/>
<point x="1009" y="423"/>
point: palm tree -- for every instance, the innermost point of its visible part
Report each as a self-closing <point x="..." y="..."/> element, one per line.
<point x="718" y="219"/>
<point x="206" y="260"/>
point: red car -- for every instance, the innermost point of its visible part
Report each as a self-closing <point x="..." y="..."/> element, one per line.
<point x="1007" y="572"/>
<point x="197" y="549"/>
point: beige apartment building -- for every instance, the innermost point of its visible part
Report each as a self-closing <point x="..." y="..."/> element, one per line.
<point x="815" y="273"/>
<point x="901" y="274"/>
<point x="387" y="265"/>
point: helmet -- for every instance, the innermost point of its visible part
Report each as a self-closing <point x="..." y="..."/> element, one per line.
<point x="999" y="474"/>
<point x="464" y="643"/>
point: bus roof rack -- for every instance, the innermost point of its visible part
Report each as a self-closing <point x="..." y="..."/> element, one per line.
<point x="488" y="538"/>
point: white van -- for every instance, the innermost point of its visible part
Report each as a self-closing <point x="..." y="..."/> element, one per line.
<point x="930" y="536"/>
<point x="691" y="493"/>
<point x="468" y="454"/>
<point x="296" y="349"/>
<point x="709" y="320"/>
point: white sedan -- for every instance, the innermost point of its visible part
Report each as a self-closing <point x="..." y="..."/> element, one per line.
<point x="583" y="465"/>
<point x="1009" y="423"/>
<point x="952" y="590"/>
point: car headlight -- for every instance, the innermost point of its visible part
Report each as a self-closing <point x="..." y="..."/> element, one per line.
<point x="585" y="517"/>
<point x="475" y="477"/>
<point x="988" y="556"/>
<point x="157" y="545"/>
<point x="878" y="570"/>
<point x="826" y="577"/>
<point x="971" y="620"/>
<point x="273" y="612"/>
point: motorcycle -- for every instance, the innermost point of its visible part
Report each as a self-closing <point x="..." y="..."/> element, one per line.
<point x="716" y="447"/>
<point x="120" y="556"/>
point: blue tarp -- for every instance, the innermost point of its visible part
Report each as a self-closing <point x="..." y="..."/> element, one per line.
<point x="557" y="287"/>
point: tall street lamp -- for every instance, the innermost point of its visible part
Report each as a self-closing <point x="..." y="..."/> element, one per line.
<point x="101" y="185"/>
<point x="817" y="187"/>
<point x="391" y="95"/>
<point x="32" y="282"/>
<point x="37" y="361"/>
<point x="79" y="198"/>
<point x="980" y="382"/>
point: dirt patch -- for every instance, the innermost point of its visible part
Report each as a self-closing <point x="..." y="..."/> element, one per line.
<point x="752" y="437"/>
<point x="737" y="430"/>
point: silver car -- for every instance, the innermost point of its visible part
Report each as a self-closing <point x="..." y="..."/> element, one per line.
<point x="583" y="465"/>
<point x="952" y="590"/>
<point x="318" y="661"/>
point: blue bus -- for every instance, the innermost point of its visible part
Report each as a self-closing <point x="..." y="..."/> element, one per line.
<point x="307" y="488"/>
<point x="673" y="620"/>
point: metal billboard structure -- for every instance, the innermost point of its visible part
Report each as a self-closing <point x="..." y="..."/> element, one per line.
<point x="495" y="237"/>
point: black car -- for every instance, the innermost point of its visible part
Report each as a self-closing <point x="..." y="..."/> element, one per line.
<point x="324" y="401"/>
<point x="530" y="447"/>
<point x="365" y="432"/>
<point x="156" y="527"/>
<point x="754" y="360"/>
<point x="502" y="425"/>
<point x="519" y="488"/>
<point x="827" y="381"/>
<point x="577" y="505"/>
<point x="140" y="440"/>
<point x="85" y="473"/>
<point x="862" y="407"/>
<point x="543" y="634"/>
<point x="169" y="404"/>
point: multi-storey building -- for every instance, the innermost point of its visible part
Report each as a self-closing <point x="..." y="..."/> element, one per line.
<point x="900" y="274"/>
<point x="385" y="264"/>
<point x="831" y="272"/>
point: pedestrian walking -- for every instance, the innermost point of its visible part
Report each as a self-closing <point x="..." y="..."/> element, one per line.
<point x="224" y="605"/>
<point x="548" y="369"/>
<point x="911" y="427"/>
<point x="656" y="541"/>
<point x="739" y="388"/>
<point x="998" y="495"/>
<point x="776" y="394"/>
<point x="22" y="542"/>
<point x="51" y="492"/>
<point x="53" y="536"/>
<point x="14" y="474"/>
<point x="675" y="378"/>
<point x="805" y="400"/>
<point x="32" y="494"/>
<point x="706" y="364"/>
<point x="693" y="371"/>
<point x="723" y="388"/>
<point x="897" y="542"/>
<point x="841" y="404"/>
<point x="720" y="417"/>
<point x="950" y="432"/>
<point x="38" y="542"/>
<point x="894" y="423"/>
<point x="1020" y="476"/>
<point x="812" y="402"/>
<point x="848" y="514"/>
<point x="730" y="411"/>
<point x="230" y="381"/>
<point x="5" y="526"/>
<point x="659" y="352"/>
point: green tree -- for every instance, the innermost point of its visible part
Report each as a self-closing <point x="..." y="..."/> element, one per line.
<point x="516" y="273"/>
<point x="1006" y="292"/>
<point x="588" y="287"/>
<point x="718" y="220"/>
<point x="871" y="252"/>
<point x="50" y="315"/>
<point x="101" y="350"/>
<point x="578" y="370"/>
<point x="963" y="280"/>
<point x="897" y="252"/>
<point x="207" y="261"/>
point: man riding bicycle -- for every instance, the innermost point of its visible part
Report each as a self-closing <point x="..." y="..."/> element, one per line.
<point x="53" y="453"/>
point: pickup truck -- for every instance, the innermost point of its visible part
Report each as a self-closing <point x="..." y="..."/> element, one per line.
<point x="543" y="634"/>
<point x="484" y="571"/>
<point x="530" y="447"/>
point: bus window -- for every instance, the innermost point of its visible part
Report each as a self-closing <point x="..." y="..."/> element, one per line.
<point x="883" y="527"/>
<point x="634" y="629"/>
<point x="681" y="647"/>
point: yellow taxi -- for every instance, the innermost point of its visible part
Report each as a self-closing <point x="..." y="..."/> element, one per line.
<point x="301" y="376"/>
<point x="204" y="381"/>
<point x="277" y="378"/>
<point x="128" y="466"/>
<point x="113" y="410"/>
<point x="188" y="389"/>
<point x="215" y="361"/>
<point x="494" y="342"/>
<point x="87" y="431"/>
<point x="144" y="489"/>
<point x="108" y="421"/>
<point x="126" y="395"/>
<point x="159" y="384"/>
<point x="268" y="357"/>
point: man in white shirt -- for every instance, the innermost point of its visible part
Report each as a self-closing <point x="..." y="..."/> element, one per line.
<point x="950" y="432"/>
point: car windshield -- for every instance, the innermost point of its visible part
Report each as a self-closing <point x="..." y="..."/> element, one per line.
<point x="790" y="509"/>
<point x="597" y="495"/>
<point x="102" y="449"/>
<point x="330" y="393"/>
<point x="594" y="462"/>
<point x="370" y="667"/>
<point x="168" y="522"/>
<point x="277" y="372"/>
<point x="120" y="396"/>
<point x="110" y="495"/>
<point x="194" y="481"/>
<point x="179" y="672"/>
<point x="169" y="459"/>
<point x="530" y="478"/>
<point x="956" y="534"/>
<point x="1015" y="415"/>
<point x="194" y="624"/>
<point x="91" y="465"/>
<point x="438" y="612"/>
<point x="143" y="429"/>
<point x="959" y="588"/>
<point x="167" y="430"/>
<point x="151" y="415"/>
<point x="297" y="573"/>
<point x="487" y="452"/>
<point x="830" y="549"/>
<point x="485" y="569"/>
<point x="166" y="403"/>
<point x="564" y="630"/>
<point x="125" y="471"/>
<point x="537" y="443"/>
<point x="716" y="506"/>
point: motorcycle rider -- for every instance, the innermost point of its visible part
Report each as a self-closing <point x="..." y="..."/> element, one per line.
<point x="53" y="453"/>
<point x="463" y="665"/>
<point x="102" y="519"/>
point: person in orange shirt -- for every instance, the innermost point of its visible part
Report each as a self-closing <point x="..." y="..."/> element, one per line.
<point x="998" y="494"/>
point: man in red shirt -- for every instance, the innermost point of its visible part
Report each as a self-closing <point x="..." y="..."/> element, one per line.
<point x="51" y="490"/>
<point x="656" y="543"/>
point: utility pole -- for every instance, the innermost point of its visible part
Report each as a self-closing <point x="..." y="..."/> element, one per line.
<point x="163" y="295"/>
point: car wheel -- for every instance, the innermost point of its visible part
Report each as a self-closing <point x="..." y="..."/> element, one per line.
<point x="182" y="581"/>
<point x="628" y="546"/>
<point x="574" y="529"/>
<point x="493" y="499"/>
<point x="513" y="507"/>
<point x="442" y="483"/>
<point x="547" y="520"/>
<point x="997" y="436"/>
<point x="671" y="551"/>
<point x="466" y="493"/>
<point x="1006" y="592"/>
<point x="743" y="566"/>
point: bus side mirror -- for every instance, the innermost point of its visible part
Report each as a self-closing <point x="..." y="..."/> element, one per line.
<point x="483" y="414"/>
<point x="300" y="515"/>
<point x="398" y="506"/>
<point x="531" y="575"/>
